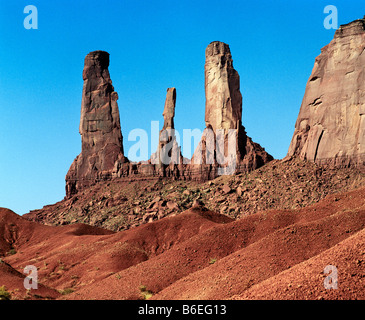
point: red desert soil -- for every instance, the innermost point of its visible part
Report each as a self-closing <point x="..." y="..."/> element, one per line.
<point x="308" y="277"/>
<point x="72" y="256"/>
<point x="277" y="254"/>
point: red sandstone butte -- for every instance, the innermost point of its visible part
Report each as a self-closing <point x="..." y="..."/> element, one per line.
<point x="330" y="129"/>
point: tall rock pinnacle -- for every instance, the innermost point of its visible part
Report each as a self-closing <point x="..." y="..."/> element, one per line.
<point x="223" y="116"/>
<point x="168" y="155"/>
<point x="330" y="128"/>
<point x="223" y="106"/>
<point x="169" y="109"/>
<point x="102" y="141"/>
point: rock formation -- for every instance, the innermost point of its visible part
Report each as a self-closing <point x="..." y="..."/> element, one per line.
<point x="168" y="156"/>
<point x="223" y="106"/>
<point x="330" y="129"/>
<point x="169" y="109"/>
<point x="223" y="119"/>
<point x="102" y="156"/>
<point x="102" y="141"/>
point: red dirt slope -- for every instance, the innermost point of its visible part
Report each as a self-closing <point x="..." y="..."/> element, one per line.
<point x="265" y="258"/>
<point x="76" y="255"/>
<point x="14" y="284"/>
<point x="246" y="252"/>
<point x="198" y="254"/>
<point x="306" y="280"/>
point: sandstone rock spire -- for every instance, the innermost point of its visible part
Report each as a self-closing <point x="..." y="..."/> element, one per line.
<point x="169" y="109"/>
<point x="223" y="117"/>
<point x="168" y="155"/>
<point x="223" y="106"/>
<point x="330" y="128"/>
<point x="100" y="130"/>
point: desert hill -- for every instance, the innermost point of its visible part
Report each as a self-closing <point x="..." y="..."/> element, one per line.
<point x="195" y="255"/>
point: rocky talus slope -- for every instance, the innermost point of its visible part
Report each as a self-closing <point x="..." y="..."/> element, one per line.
<point x="121" y="204"/>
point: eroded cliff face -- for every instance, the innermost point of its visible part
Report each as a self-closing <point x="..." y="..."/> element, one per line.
<point x="330" y="128"/>
<point x="101" y="136"/>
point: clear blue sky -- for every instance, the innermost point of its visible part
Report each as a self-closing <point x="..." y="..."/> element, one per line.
<point x="153" y="45"/>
